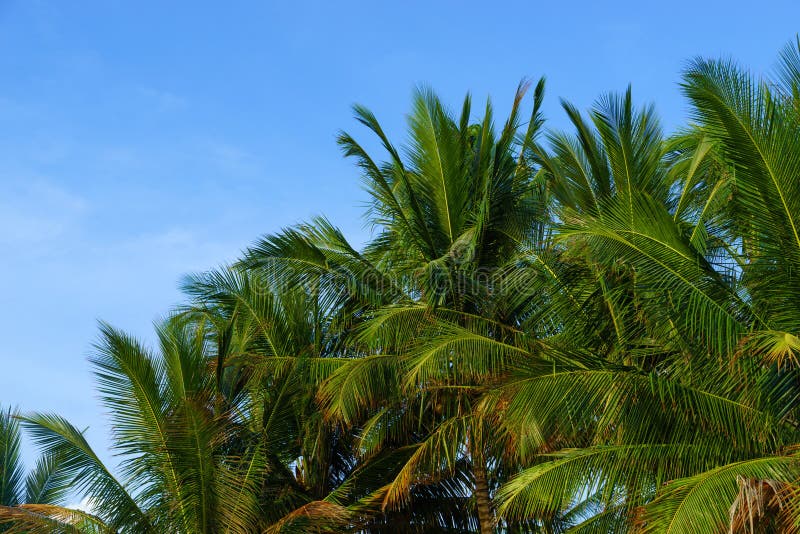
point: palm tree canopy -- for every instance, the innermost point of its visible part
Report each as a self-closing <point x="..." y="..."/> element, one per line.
<point x="593" y="330"/>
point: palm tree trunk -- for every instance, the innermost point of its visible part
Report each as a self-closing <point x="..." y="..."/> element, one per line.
<point x="482" y="498"/>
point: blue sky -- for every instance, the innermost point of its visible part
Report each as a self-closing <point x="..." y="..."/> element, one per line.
<point x="143" y="140"/>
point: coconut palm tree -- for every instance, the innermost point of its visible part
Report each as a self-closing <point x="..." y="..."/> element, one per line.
<point x="757" y="124"/>
<point x="280" y="345"/>
<point x="197" y="454"/>
<point x="692" y="428"/>
<point x="453" y="211"/>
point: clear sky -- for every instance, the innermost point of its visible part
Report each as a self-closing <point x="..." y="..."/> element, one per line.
<point x="142" y="140"/>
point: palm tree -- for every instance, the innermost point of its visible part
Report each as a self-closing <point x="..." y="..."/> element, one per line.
<point x="195" y="457"/>
<point x="280" y="344"/>
<point x="692" y="427"/>
<point x="757" y="125"/>
<point x="451" y="218"/>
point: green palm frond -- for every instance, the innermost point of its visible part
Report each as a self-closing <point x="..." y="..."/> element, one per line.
<point x="789" y="72"/>
<point x="432" y="460"/>
<point x="114" y="504"/>
<point x="668" y="269"/>
<point x="565" y="477"/>
<point x="703" y="502"/>
<point x="11" y="469"/>
<point x="759" y="134"/>
<point x="47" y="482"/>
<point x="359" y="384"/>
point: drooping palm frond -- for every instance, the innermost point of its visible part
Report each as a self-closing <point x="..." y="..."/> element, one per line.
<point x="316" y="516"/>
<point x="667" y="267"/>
<point x="47" y="518"/>
<point x="59" y="438"/>
<point x="706" y="502"/>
